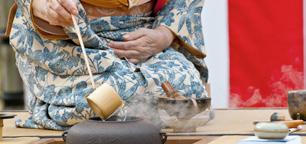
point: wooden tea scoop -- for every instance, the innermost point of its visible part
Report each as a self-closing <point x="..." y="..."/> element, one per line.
<point x="279" y="118"/>
<point x="77" y="30"/>
<point x="289" y="123"/>
<point x="292" y="123"/>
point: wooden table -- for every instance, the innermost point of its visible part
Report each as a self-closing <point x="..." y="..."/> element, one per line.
<point x="228" y="125"/>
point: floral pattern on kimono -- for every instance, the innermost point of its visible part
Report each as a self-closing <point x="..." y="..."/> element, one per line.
<point x="56" y="78"/>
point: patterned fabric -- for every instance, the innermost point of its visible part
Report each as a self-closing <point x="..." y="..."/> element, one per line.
<point x="55" y="75"/>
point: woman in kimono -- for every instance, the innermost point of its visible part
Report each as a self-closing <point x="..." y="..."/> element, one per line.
<point x="132" y="45"/>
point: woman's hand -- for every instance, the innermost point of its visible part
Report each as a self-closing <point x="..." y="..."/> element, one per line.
<point x="143" y="43"/>
<point x="56" y="12"/>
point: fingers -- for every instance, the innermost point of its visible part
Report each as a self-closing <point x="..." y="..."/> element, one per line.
<point x="53" y="17"/>
<point x="136" y="47"/>
<point x="56" y="12"/>
<point x="134" y="61"/>
<point x="135" y="34"/>
<point x="124" y="45"/>
<point x="130" y="54"/>
<point x="63" y="15"/>
<point x="70" y="6"/>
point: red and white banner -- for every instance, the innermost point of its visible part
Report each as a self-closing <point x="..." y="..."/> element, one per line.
<point x="255" y="51"/>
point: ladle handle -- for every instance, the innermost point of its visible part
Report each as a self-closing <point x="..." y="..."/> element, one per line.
<point x="163" y="137"/>
<point x="78" y="32"/>
<point x="64" y="135"/>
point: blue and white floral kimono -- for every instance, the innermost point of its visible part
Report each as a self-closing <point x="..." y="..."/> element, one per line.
<point x="55" y="75"/>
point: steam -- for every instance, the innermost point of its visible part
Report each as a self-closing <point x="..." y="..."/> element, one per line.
<point x="290" y="79"/>
<point x="145" y="107"/>
<point x="177" y="116"/>
<point x="122" y="114"/>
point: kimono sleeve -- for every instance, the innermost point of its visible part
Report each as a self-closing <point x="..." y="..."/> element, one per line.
<point x="183" y="18"/>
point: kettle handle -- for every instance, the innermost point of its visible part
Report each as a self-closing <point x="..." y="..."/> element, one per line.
<point x="163" y="137"/>
<point x="64" y="135"/>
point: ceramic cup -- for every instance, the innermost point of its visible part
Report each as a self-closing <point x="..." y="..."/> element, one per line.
<point x="104" y="101"/>
<point x="297" y="104"/>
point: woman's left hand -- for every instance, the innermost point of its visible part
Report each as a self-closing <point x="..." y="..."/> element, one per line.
<point x="143" y="43"/>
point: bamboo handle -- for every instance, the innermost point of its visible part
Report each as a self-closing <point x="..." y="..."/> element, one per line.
<point x="77" y="30"/>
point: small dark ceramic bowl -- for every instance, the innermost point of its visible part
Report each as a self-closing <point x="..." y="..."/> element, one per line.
<point x="297" y="104"/>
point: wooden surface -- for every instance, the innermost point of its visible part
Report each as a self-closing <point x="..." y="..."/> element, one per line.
<point x="19" y="140"/>
<point x="236" y="121"/>
<point x="190" y="139"/>
<point x="10" y="130"/>
<point x="226" y="122"/>
<point x="228" y="140"/>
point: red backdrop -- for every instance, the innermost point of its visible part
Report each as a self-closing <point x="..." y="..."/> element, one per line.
<point x="266" y="51"/>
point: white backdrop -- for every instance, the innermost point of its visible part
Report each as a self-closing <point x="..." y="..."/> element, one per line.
<point x="216" y="40"/>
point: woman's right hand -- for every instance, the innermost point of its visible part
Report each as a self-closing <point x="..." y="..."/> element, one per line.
<point x="56" y="12"/>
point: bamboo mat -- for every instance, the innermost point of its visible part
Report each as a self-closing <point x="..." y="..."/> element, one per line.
<point x="226" y="122"/>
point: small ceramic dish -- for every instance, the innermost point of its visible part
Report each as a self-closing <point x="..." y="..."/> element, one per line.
<point x="266" y="130"/>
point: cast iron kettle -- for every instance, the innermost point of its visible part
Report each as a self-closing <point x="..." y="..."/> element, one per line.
<point x="132" y="131"/>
